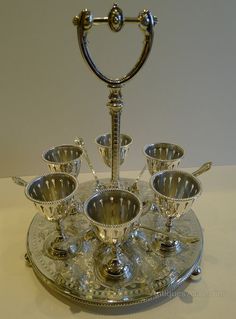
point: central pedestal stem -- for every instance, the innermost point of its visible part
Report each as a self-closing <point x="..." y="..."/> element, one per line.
<point x="115" y="105"/>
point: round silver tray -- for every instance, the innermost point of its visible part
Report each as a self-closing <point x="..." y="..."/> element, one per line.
<point x="156" y="273"/>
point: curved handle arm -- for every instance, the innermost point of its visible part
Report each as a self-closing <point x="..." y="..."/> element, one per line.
<point x="115" y="19"/>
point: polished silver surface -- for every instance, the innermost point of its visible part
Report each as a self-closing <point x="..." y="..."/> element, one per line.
<point x="155" y="274"/>
<point x="162" y="156"/>
<point x="175" y="192"/>
<point x="113" y="214"/>
<point x="115" y="105"/>
<point x="53" y="195"/>
<point x="84" y="22"/>
<point x="119" y="248"/>
<point x="80" y="142"/>
<point x="19" y="181"/>
<point x="115" y="20"/>
<point x="196" y="274"/>
<point x="64" y="158"/>
<point x="204" y="168"/>
<point x="104" y="143"/>
<point x="134" y="187"/>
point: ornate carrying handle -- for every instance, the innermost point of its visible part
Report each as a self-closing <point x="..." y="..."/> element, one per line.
<point x="115" y="20"/>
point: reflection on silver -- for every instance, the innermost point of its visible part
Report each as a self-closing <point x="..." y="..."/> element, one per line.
<point x="53" y="196"/>
<point x="64" y="158"/>
<point x="114" y="253"/>
<point x="175" y="192"/>
<point x="113" y="214"/>
<point x="204" y="168"/>
<point x="104" y="146"/>
<point x="162" y="156"/>
<point x="84" y="22"/>
<point x="155" y="274"/>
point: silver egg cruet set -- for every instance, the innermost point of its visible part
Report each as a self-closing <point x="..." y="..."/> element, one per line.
<point x="114" y="241"/>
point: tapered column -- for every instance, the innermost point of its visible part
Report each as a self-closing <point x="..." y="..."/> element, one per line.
<point x="115" y="105"/>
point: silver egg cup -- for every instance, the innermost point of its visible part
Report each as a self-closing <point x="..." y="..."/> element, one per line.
<point x="53" y="196"/>
<point x="175" y="192"/>
<point x="64" y="158"/>
<point x="104" y="146"/>
<point x="162" y="156"/>
<point x="113" y="214"/>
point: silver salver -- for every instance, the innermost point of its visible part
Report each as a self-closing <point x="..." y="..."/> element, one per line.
<point x="156" y="274"/>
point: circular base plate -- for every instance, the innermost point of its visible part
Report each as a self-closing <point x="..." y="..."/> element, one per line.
<point x="156" y="273"/>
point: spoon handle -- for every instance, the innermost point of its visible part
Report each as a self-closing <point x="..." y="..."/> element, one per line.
<point x="19" y="181"/>
<point x="80" y="142"/>
<point x="175" y="236"/>
<point x="204" y="168"/>
<point x="134" y="186"/>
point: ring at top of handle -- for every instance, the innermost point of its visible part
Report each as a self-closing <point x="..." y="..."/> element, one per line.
<point x="115" y="20"/>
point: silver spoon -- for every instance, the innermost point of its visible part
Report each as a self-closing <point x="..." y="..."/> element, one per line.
<point x="202" y="169"/>
<point x="80" y="142"/>
<point x="134" y="187"/>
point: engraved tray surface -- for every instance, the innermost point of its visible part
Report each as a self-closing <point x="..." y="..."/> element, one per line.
<point x="155" y="273"/>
